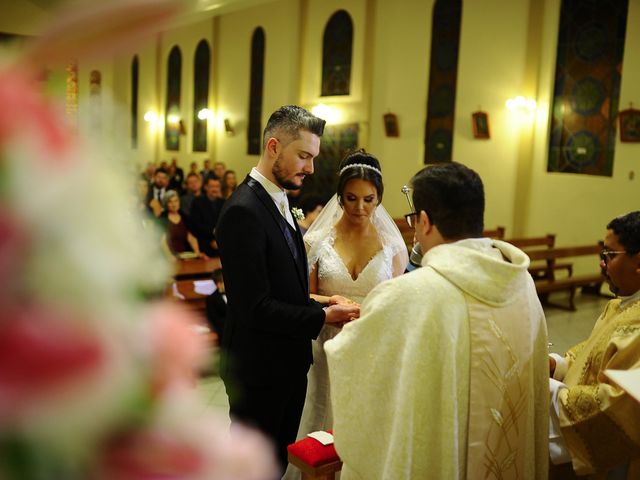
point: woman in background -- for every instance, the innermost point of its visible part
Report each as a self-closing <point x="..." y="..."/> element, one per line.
<point x="177" y="238"/>
<point x="229" y="183"/>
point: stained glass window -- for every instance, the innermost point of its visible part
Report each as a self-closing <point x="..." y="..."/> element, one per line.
<point x="443" y="74"/>
<point x="201" y="65"/>
<point x="337" y="46"/>
<point x="254" y="132"/>
<point x="172" y="120"/>
<point x="587" y="86"/>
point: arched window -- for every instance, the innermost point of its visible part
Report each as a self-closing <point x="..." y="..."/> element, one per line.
<point x="443" y="73"/>
<point x="201" y="65"/>
<point x="254" y="132"/>
<point x="337" y="47"/>
<point x="172" y="121"/>
<point x="587" y="87"/>
<point x="135" y="67"/>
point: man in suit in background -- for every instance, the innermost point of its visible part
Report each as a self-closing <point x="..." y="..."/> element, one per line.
<point x="271" y="321"/>
<point x="204" y="214"/>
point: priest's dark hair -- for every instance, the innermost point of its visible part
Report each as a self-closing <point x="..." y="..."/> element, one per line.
<point x="287" y="121"/>
<point x="627" y="228"/>
<point x="452" y="195"/>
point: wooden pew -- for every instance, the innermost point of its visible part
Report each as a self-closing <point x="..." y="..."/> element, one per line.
<point x="550" y="284"/>
<point x="539" y="271"/>
<point x="408" y="232"/>
<point x="196" y="268"/>
<point x="497" y="233"/>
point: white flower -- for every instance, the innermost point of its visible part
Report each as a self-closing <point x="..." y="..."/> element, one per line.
<point x="297" y="213"/>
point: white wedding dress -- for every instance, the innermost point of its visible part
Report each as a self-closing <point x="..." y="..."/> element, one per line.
<point x="335" y="279"/>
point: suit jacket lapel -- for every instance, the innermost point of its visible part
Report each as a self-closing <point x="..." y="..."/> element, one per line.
<point x="288" y="233"/>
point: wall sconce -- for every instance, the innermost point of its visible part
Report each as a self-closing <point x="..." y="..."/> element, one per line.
<point x="205" y="114"/>
<point x="331" y="115"/>
<point x="229" y="128"/>
<point x="151" y="118"/>
<point x="522" y="104"/>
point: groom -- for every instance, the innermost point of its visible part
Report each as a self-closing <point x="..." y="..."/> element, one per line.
<point x="266" y="350"/>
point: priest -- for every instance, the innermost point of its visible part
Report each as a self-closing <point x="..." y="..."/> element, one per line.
<point x="595" y="428"/>
<point x="444" y="376"/>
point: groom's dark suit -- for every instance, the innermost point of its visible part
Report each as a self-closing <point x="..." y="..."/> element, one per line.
<point x="271" y="320"/>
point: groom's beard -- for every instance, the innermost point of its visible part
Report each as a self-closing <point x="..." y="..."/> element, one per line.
<point x="281" y="174"/>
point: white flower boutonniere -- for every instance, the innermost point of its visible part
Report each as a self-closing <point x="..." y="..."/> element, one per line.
<point x="297" y="213"/>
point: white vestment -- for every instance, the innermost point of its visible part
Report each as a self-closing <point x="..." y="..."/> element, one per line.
<point x="444" y="376"/>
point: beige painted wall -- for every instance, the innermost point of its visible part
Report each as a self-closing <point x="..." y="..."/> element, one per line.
<point x="506" y="49"/>
<point x="401" y="47"/>
<point x="22" y="17"/>
<point x="280" y="21"/>
<point x="578" y="207"/>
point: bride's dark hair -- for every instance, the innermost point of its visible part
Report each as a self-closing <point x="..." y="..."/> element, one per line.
<point x="370" y="175"/>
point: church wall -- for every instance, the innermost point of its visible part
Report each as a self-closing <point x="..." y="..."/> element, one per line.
<point x="186" y="38"/>
<point x="401" y="47"/>
<point x="280" y="21"/>
<point x="149" y="134"/>
<point x="350" y="108"/>
<point x="499" y="59"/>
<point x="22" y="17"/>
<point x="491" y="68"/>
<point x="578" y="207"/>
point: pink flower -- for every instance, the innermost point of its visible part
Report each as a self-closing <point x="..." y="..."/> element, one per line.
<point x="25" y="111"/>
<point x="12" y="251"/>
<point x="148" y="455"/>
<point x="42" y="351"/>
<point x="177" y="349"/>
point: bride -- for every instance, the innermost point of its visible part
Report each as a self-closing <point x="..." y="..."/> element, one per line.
<point x="353" y="246"/>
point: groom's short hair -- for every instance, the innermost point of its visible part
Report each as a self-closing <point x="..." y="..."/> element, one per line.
<point x="452" y="195"/>
<point x="287" y="122"/>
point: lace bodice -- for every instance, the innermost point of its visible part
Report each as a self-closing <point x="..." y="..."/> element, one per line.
<point x="334" y="278"/>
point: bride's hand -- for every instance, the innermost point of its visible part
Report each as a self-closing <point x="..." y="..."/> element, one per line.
<point x="340" y="300"/>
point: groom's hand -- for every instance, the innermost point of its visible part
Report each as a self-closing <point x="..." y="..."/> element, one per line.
<point x="341" y="314"/>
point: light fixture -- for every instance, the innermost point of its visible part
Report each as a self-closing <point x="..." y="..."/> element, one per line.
<point x="173" y="119"/>
<point x="205" y="114"/>
<point x="331" y="115"/>
<point x="151" y="117"/>
<point x="521" y="103"/>
<point x="229" y="128"/>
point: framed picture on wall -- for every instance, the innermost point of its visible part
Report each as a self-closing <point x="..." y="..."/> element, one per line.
<point x="480" y="124"/>
<point x="391" y="125"/>
<point x="629" y="125"/>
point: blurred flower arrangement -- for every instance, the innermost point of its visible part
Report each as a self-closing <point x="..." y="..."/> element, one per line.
<point x="95" y="382"/>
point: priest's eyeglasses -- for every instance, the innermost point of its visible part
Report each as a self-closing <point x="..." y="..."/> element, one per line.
<point x="606" y="255"/>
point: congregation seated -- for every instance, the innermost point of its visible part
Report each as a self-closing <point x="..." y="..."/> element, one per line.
<point x="193" y="190"/>
<point x="218" y="170"/>
<point x="156" y="192"/>
<point x="205" y="211"/>
<point x="176" y="176"/>
<point x="229" y="183"/>
<point x="176" y="238"/>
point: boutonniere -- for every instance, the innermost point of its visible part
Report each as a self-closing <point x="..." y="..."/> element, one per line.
<point x="297" y="213"/>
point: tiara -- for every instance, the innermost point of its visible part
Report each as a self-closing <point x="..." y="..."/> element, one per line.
<point x="362" y="165"/>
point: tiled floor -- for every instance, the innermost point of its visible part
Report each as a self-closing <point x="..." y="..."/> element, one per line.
<point x="565" y="330"/>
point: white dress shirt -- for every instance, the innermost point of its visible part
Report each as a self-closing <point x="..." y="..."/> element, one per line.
<point x="278" y="195"/>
